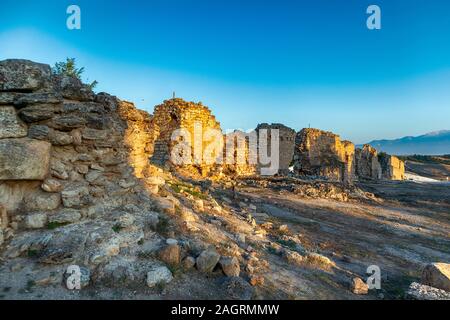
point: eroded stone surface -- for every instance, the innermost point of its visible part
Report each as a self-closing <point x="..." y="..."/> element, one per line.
<point x="10" y="125"/>
<point x="437" y="275"/>
<point x="322" y="153"/>
<point x="24" y="159"/>
<point x="23" y="75"/>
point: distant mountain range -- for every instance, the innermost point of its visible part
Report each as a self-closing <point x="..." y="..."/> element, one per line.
<point x="433" y="143"/>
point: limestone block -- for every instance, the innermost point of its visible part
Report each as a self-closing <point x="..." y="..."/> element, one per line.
<point x="23" y="75"/>
<point x="24" y="159"/>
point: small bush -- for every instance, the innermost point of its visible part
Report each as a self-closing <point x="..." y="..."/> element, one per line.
<point x="69" y="68"/>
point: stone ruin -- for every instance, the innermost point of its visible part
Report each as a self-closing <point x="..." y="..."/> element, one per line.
<point x="238" y="153"/>
<point x="321" y="153"/>
<point x="175" y="114"/>
<point x="392" y="167"/>
<point x="371" y="165"/>
<point x="367" y="165"/>
<point x="62" y="147"/>
<point x="286" y="144"/>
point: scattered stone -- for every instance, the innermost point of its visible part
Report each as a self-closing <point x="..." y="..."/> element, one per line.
<point x="437" y="275"/>
<point x="230" y="266"/>
<point x="188" y="263"/>
<point x="188" y="215"/>
<point x="207" y="260"/>
<point x="199" y="205"/>
<point x="170" y="254"/>
<point x="293" y="257"/>
<point x="166" y="205"/>
<point x="419" y="291"/>
<point x="319" y="261"/>
<point x="358" y="286"/>
<point x="237" y="288"/>
<point x="158" y="275"/>
<point x="283" y="228"/>
<point x="257" y="280"/>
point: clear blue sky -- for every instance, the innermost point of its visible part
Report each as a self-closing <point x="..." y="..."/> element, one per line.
<point x="295" y="62"/>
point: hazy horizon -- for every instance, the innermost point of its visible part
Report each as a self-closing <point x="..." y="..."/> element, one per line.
<point x="278" y="62"/>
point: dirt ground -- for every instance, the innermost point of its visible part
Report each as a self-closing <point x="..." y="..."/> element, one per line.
<point x="408" y="227"/>
<point x="400" y="229"/>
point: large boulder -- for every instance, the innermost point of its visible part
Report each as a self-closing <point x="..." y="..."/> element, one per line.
<point x="23" y="75"/>
<point x="230" y="266"/>
<point x="158" y="275"/>
<point x="207" y="260"/>
<point x="437" y="275"/>
<point x="24" y="159"/>
<point x="419" y="291"/>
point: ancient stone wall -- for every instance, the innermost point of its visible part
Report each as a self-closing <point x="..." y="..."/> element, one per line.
<point x="196" y="119"/>
<point x="62" y="146"/>
<point x="392" y="168"/>
<point x="322" y="153"/>
<point x="367" y="165"/>
<point x="286" y="144"/>
<point x="237" y="153"/>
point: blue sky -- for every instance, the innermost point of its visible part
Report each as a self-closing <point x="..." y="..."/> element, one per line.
<point x="296" y="62"/>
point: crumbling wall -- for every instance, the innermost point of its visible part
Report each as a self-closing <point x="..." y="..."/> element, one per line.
<point x="62" y="146"/>
<point x="238" y="152"/>
<point x="367" y="165"/>
<point x="286" y="144"/>
<point x="321" y="153"/>
<point x="392" y="168"/>
<point x="196" y="119"/>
